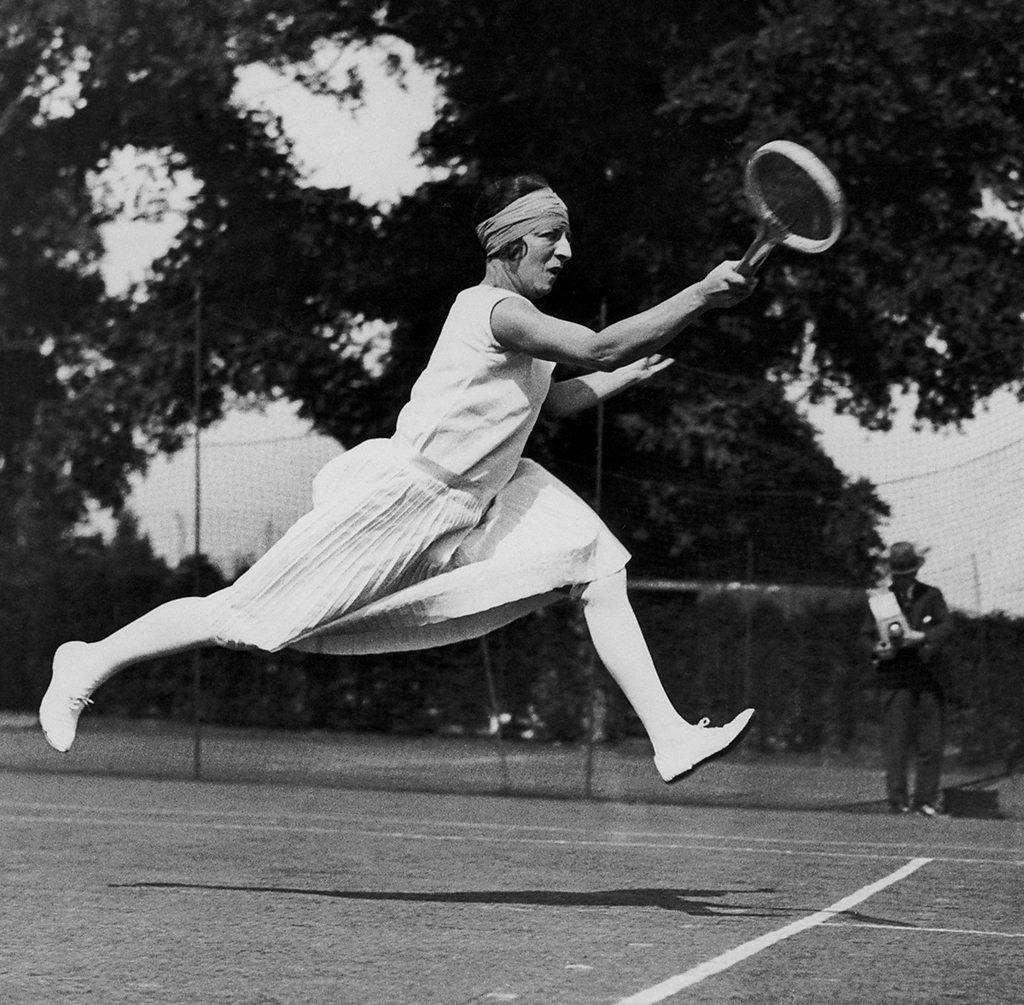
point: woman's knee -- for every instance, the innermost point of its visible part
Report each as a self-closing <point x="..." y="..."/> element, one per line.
<point x="606" y="589"/>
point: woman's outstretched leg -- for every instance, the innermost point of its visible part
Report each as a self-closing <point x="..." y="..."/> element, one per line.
<point x="679" y="746"/>
<point x="81" y="667"/>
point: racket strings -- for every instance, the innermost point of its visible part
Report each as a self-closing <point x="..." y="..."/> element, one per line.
<point x="793" y="199"/>
<point x="789" y="187"/>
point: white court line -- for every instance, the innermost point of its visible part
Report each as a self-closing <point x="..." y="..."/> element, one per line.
<point x="913" y="929"/>
<point x="403" y="835"/>
<point x="896" y="849"/>
<point x="672" y="986"/>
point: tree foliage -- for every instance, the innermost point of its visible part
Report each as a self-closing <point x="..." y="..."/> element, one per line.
<point x="641" y="115"/>
<point x="922" y="293"/>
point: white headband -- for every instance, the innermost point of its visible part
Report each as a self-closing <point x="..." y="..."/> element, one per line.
<point x="527" y="215"/>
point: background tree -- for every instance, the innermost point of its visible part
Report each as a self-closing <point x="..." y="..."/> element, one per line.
<point x="642" y="116"/>
<point x="919" y="114"/>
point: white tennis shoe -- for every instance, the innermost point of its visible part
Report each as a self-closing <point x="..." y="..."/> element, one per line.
<point x="696" y="744"/>
<point x="65" y="698"/>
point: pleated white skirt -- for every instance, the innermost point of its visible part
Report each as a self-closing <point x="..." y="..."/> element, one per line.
<point x="397" y="554"/>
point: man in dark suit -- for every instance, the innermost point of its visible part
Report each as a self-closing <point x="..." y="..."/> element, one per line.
<point x="905" y="651"/>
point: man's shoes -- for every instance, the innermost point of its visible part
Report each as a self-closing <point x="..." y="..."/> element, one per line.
<point x="927" y="810"/>
<point x="65" y="698"/>
<point x="899" y="808"/>
<point x="696" y="744"/>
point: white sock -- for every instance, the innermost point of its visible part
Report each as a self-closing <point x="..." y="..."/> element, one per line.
<point x="174" y="627"/>
<point x="621" y="646"/>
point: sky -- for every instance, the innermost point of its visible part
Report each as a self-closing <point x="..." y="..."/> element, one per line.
<point x="954" y="492"/>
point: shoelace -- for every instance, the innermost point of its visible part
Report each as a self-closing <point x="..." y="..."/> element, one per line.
<point x="77" y="704"/>
<point x="704" y="722"/>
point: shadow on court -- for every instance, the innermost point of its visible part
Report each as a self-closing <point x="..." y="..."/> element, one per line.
<point x="694" y="903"/>
<point x="697" y="903"/>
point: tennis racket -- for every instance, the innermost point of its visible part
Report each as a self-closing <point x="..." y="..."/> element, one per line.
<point x="797" y="200"/>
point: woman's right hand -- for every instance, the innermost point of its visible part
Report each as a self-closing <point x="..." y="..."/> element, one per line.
<point x="723" y="286"/>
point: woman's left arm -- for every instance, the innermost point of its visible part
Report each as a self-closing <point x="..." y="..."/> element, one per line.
<point x="568" y="397"/>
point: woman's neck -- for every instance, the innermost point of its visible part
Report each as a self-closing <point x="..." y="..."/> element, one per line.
<point x="498" y="274"/>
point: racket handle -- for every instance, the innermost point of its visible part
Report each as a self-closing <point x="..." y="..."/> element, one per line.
<point x="760" y="248"/>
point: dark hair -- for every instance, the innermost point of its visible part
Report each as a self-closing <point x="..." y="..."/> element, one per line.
<point x="504" y="191"/>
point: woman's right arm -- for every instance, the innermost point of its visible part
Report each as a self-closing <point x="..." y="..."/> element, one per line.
<point x="518" y="324"/>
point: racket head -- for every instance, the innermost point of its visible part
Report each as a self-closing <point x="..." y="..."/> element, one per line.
<point x="796" y="196"/>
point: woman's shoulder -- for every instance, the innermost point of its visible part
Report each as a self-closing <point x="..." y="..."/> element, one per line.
<point x="483" y="293"/>
<point x="473" y="307"/>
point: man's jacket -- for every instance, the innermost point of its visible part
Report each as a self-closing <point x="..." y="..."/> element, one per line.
<point x="915" y="665"/>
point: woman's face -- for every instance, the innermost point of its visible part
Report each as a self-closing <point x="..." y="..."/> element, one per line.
<point x="545" y="255"/>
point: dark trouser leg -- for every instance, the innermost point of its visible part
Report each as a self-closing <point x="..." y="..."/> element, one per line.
<point x="896" y="709"/>
<point x="930" y="716"/>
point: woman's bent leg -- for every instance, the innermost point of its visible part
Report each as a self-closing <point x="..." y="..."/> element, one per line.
<point x="81" y="667"/>
<point x="678" y="745"/>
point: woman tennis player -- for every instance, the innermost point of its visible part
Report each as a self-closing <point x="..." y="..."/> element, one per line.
<point x="444" y="532"/>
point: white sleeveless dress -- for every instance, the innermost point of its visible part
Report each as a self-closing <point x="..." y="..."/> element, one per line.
<point x="439" y="534"/>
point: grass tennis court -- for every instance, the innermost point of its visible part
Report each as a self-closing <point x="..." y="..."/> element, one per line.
<point x="147" y="889"/>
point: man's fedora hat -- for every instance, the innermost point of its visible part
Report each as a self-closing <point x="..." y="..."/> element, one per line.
<point x="903" y="558"/>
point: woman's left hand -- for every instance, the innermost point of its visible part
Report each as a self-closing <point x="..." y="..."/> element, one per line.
<point x="643" y="369"/>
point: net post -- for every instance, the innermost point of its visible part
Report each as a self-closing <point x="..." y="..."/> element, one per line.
<point x="591" y="664"/>
<point x="485" y="656"/>
<point x="197" y="387"/>
<point x="748" y="628"/>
